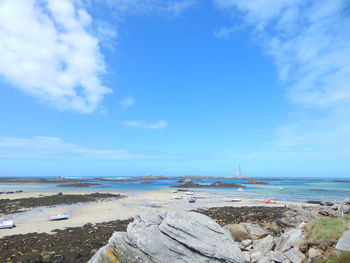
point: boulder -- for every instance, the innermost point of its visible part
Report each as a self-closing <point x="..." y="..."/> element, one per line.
<point x="314" y="253"/>
<point x="277" y="256"/>
<point x="343" y="243"/>
<point x="247" y="242"/>
<point x="346" y="201"/>
<point x="238" y="231"/>
<point x="264" y="245"/>
<point x="288" y="240"/>
<point x="158" y="236"/>
<point x="294" y="255"/>
<point x="255" y="231"/>
<point x="246" y="255"/>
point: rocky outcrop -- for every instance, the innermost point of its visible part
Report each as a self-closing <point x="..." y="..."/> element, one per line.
<point x="170" y="236"/>
<point x="344" y="242"/>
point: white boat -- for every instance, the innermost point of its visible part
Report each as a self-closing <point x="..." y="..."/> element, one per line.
<point x="177" y="197"/>
<point x="6" y="224"/>
<point x="189" y="193"/>
<point x="59" y="217"/>
<point x="236" y="200"/>
<point x="281" y="188"/>
<point x="240" y="189"/>
<point x="175" y="191"/>
<point x="192" y="200"/>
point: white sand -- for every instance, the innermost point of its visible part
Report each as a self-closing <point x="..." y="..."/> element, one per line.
<point x="36" y="219"/>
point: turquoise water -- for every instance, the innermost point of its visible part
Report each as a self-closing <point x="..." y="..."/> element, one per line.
<point x="291" y="190"/>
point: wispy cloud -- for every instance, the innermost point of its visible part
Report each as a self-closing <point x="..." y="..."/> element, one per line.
<point x="57" y="148"/>
<point x="146" y="125"/>
<point x="168" y="8"/>
<point x="47" y="50"/>
<point x="225" y="32"/>
<point x="127" y="102"/>
<point x="310" y="44"/>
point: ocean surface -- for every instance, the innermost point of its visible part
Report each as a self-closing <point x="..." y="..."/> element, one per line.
<point x="287" y="190"/>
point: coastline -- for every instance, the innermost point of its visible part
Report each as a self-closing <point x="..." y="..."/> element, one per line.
<point x="36" y="219"/>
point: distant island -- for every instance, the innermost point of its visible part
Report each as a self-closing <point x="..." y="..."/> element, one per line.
<point x="187" y="183"/>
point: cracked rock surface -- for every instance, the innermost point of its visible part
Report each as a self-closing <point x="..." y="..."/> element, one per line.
<point x="158" y="236"/>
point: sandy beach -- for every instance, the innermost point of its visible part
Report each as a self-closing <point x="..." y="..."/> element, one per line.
<point x="36" y="219"/>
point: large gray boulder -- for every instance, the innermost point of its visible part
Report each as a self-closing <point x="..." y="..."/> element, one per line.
<point x="158" y="236"/>
<point x="343" y="243"/>
<point x="288" y="240"/>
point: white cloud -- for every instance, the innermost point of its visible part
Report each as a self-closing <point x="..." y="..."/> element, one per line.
<point x="168" y="8"/>
<point x="47" y="50"/>
<point x="225" y="32"/>
<point x="144" y="125"/>
<point x="127" y="102"/>
<point x="310" y="44"/>
<point x="56" y="148"/>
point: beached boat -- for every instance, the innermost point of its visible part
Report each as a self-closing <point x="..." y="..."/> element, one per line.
<point x="59" y="217"/>
<point x="6" y="224"/>
<point x="236" y="200"/>
<point x="177" y="197"/>
<point x="192" y="200"/>
<point x="175" y="191"/>
<point x="240" y="189"/>
<point x="189" y="193"/>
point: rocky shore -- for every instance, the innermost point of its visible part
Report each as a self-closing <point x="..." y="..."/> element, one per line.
<point x="189" y="184"/>
<point x="9" y="206"/>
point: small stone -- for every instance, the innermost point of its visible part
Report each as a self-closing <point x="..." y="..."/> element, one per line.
<point x="314" y="253"/>
<point x="246" y="242"/>
<point x="294" y="255"/>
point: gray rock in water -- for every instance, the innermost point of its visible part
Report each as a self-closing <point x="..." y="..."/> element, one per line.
<point x="344" y="242"/>
<point x="264" y="245"/>
<point x="158" y="236"/>
<point x="294" y="255"/>
<point x="288" y="240"/>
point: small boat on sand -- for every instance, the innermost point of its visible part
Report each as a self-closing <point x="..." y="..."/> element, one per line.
<point x="58" y="217"/>
<point x="189" y="193"/>
<point x="192" y="200"/>
<point x="6" y="224"/>
<point x="240" y="189"/>
<point x="177" y="197"/>
<point x="175" y="191"/>
<point x="236" y="200"/>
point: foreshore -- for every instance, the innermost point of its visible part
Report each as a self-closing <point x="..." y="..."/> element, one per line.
<point x="36" y="219"/>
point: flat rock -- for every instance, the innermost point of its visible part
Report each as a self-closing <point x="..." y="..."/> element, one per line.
<point x="294" y="255"/>
<point x="344" y="242"/>
<point x="264" y="245"/>
<point x="277" y="256"/>
<point x="314" y="253"/>
<point x="255" y="231"/>
<point x="237" y="231"/>
<point x="158" y="236"/>
<point x="288" y="240"/>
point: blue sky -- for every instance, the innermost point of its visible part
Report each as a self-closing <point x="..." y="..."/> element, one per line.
<point x="174" y="87"/>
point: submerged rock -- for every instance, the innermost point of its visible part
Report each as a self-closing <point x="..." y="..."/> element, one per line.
<point x="171" y="236"/>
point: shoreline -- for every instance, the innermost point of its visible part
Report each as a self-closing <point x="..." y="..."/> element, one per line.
<point x="36" y="219"/>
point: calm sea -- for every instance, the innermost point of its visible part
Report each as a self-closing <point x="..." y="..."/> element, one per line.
<point x="288" y="190"/>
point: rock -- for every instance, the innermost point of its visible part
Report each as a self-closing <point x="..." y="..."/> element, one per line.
<point x="314" y="253"/>
<point x="264" y="245"/>
<point x="246" y="255"/>
<point x="246" y="242"/>
<point x="346" y="209"/>
<point x="264" y="260"/>
<point x="327" y="203"/>
<point x="255" y="231"/>
<point x="238" y="231"/>
<point x="294" y="255"/>
<point x="346" y="201"/>
<point x="255" y="256"/>
<point x="277" y="256"/>
<point x="343" y="243"/>
<point x="288" y="221"/>
<point x="323" y="212"/>
<point x="288" y="240"/>
<point x="158" y="236"/>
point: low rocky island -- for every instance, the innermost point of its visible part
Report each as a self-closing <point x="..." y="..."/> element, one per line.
<point x="189" y="184"/>
<point x="253" y="181"/>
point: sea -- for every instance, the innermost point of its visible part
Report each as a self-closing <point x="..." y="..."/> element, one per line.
<point x="300" y="189"/>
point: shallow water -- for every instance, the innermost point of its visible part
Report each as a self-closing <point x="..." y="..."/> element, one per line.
<point x="289" y="190"/>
